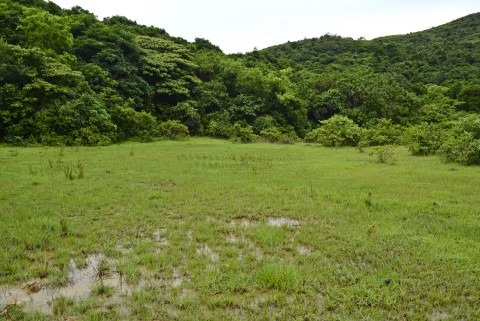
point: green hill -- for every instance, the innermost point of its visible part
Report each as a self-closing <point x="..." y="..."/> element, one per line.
<point x="68" y="78"/>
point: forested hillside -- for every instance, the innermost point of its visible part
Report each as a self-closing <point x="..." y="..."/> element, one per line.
<point x="68" y="78"/>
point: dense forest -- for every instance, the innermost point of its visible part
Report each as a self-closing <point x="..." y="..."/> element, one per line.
<point x="67" y="78"/>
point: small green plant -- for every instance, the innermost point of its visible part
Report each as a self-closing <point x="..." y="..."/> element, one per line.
<point x="102" y="272"/>
<point x="81" y="170"/>
<point x="384" y="154"/>
<point x="362" y="144"/>
<point x="278" y="277"/>
<point x="75" y="170"/>
<point x="64" y="226"/>
<point x="368" y="200"/>
<point x="132" y="151"/>
<point x="43" y="270"/>
<point x="31" y="170"/>
<point x="59" y="306"/>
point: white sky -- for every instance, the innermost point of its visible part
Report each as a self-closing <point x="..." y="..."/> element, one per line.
<point x="240" y="26"/>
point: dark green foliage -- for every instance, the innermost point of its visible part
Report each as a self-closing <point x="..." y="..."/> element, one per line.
<point x="131" y="123"/>
<point x="470" y="97"/>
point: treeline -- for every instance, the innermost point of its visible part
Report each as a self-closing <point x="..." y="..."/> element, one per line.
<point x="68" y="78"/>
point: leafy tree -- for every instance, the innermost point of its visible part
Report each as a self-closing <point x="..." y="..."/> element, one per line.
<point x="284" y="102"/>
<point x="470" y="96"/>
<point x="46" y="31"/>
<point x="437" y="106"/>
<point x="169" y="68"/>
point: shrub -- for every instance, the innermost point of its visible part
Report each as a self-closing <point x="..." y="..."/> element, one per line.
<point x="131" y="123"/>
<point x="173" y="129"/>
<point x="464" y="145"/>
<point x="335" y="132"/>
<point x="384" y="132"/>
<point x="275" y="135"/>
<point x="425" y="139"/>
<point x="384" y="154"/>
<point x="462" y="149"/>
<point x="242" y="134"/>
<point x="219" y="129"/>
<point x="90" y="136"/>
<point x="264" y="122"/>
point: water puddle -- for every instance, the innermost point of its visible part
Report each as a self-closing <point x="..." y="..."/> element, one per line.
<point x="177" y="279"/>
<point x="439" y="316"/>
<point x="282" y="221"/>
<point x="242" y="222"/>
<point x="302" y="250"/>
<point x="158" y="235"/>
<point x="207" y="251"/>
<point x="35" y="295"/>
<point x="232" y="238"/>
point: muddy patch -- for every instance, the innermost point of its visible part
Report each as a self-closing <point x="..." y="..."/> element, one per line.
<point x="35" y="295"/>
<point x="282" y="221"/>
<point x="165" y="185"/>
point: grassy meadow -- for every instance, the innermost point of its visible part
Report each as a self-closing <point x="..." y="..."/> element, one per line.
<point x="210" y="230"/>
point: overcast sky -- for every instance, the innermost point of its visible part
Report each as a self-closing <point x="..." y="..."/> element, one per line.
<point x="240" y="26"/>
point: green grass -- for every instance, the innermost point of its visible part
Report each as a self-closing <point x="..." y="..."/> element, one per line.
<point x="188" y="225"/>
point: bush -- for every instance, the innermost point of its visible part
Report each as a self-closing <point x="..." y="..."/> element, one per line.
<point x="425" y="139"/>
<point x="131" y="123"/>
<point x="90" y="136"/>
<point x="264" y="122"/>
<point x="464" y="145"/>
<point x="462" y="149"/>
<point x="335" y="132"/>
<point x="242" y="134"/>
<point x="173" y="129"/>
<point x="384" y="132"/>
<point x="275" y="135"/>
<point x="384" y="153"/>
<point x="219" y="129"/>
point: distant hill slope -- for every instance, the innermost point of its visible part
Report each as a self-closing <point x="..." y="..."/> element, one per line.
<point x="449" y="51"/>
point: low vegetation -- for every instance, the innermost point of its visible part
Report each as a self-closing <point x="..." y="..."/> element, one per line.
<point x="208" y="229"/>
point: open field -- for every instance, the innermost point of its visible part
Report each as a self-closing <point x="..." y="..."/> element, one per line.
<point x="210" y="230"/>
